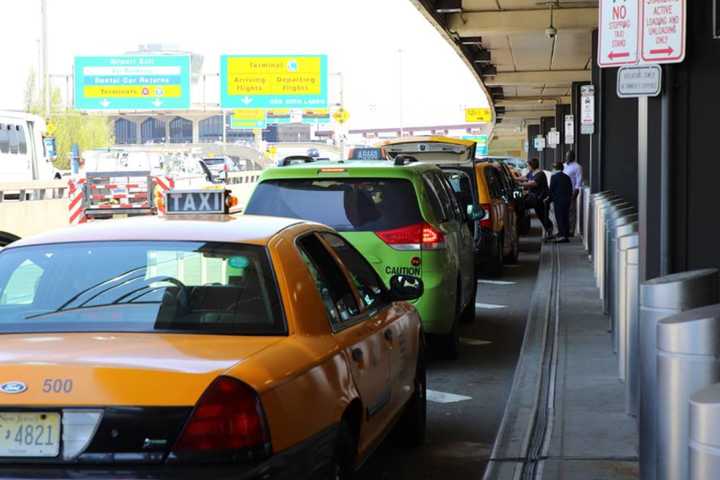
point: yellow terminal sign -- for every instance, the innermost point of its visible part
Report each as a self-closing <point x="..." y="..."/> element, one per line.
<point x="341" y="115"/>
<point x="252" y="114"/>
<point x="132" y="91"/>
<point x="478" y="115"/>
<point x="274" y="75"/>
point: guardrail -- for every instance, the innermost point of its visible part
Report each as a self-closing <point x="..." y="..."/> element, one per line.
<point x="34" y="190"/>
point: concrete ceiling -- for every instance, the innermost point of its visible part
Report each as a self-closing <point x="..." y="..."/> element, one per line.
<point x="528" y="72"/>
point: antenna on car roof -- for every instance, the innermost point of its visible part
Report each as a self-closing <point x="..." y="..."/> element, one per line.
<point x="401" y="160"/>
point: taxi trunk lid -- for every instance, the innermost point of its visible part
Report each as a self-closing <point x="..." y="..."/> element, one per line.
<point x="117" y="369"/>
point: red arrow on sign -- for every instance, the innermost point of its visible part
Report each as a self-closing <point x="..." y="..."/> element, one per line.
<point x="613" y="55"/>
<point x="659" y="51"/>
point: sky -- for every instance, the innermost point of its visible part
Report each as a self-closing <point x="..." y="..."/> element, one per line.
<point x="385" y="49"/>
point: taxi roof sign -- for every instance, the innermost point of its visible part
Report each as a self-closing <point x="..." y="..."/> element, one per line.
<point x="185" y="202"/>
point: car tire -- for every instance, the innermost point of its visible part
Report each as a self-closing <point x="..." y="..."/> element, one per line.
<point x="412" y="426"/>
<point x="343" y="462"/>
<point x="512" y="258"/>
<point x="495" y="264"/>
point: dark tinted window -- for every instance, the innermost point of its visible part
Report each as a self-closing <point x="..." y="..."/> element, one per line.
<point x="347" y="205"/>
<point x="442" y="196"/>
<point x="493" y="182"/>
<point x="4" y="139"/>
<point x="21" y="139"/>
<point x="330" y="281"/>
<point x="194" y="287"/>
<point x="366" y="280"/>
<point x="14" y="139"/>
<point x="366" y="154"/>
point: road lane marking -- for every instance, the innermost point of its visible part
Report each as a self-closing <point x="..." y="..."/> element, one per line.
<point x="474" y="342"/>
<point x="444" y="397"/>
<point x="489" y="306"/>
<point x="496" y="282"/>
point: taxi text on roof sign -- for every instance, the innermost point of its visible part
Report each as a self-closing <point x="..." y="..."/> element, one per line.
<point x="273" y="81"/>
<point x="196" y="201"/>
<point x="478" y="115"/>
<point x="132" y="82"/>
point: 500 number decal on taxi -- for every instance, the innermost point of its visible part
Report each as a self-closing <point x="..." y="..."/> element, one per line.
<point x="57" y="385"/>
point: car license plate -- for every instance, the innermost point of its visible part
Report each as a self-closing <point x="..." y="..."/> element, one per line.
<point x="35" y="434"/>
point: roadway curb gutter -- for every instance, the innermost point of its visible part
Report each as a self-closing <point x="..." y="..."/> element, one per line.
<point x="523" y="439"/>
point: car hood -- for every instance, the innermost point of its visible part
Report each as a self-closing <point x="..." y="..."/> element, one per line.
<point x="99" y="369"/>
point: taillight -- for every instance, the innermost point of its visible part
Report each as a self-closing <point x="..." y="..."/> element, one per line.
<point x="486" y="222"/>
<point x="413" y="237"/>
<point x="228" y="416"/>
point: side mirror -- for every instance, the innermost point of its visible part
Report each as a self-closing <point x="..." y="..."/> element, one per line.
<point x="406" y="287"/>
<point x="476" y="212"/>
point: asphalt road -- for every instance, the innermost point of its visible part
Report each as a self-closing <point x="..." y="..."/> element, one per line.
<point x="461" y="432"/>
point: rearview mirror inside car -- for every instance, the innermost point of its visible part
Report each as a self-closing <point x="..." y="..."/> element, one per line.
<point x="476" y="212"/>
<point x="406" y="287"/>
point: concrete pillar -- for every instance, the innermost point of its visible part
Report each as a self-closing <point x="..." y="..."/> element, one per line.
<point x="195" y="130"/>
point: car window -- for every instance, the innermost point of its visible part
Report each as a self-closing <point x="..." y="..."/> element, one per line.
<point x="436" y="199"/>
<point x="331" y="282"/>
<point x="451" y="196"/>
<point x="22" y="147"/>
<point x="14" y="140"/>
<point x="139" y="286"/>
<point x="346" y="204"/>
<point x="493" y="182"/>
<point x="461" y="185"/>
<point x="367" y="282"/>
<point x="4" y="139"/>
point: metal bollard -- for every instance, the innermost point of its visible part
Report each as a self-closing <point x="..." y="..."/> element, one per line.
<point x="612" y="213"/>
<point x="597" y="225"/>
<point x="624" y="217"/>
<point x="587" y="201"/>
<point x="629" y="247"/>
<point x="577" y="228"/>
<point x="604" y="206"/>
<point x="705" y="434"/>
<point x="596" y="200"/>
<point x="688" y="360"/>
<point x="660" y="298"/>
<point x="621" y="292"/>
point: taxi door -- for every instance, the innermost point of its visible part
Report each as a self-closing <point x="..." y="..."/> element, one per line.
<point x="360" y="334"/>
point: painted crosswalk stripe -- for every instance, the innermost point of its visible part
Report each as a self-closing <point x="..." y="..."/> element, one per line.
<point x="444" y="397"/>
<point x="496" y="282"/>
<point x="489" y="306"/>
<point x="474" y="342"/>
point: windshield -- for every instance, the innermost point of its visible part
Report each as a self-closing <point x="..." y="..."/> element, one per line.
<point x="214" y="161"/>
<point x="192" y="287"/>
<point x="345" y="204"/>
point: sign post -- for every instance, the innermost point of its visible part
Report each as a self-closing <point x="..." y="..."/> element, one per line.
<point x="618" y="37"/>
<point x="663" y="31"/>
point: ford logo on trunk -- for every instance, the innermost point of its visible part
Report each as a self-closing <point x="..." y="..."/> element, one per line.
<point x="13" y="387"/>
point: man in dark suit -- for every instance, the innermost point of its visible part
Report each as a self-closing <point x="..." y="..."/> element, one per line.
<point x="561" y="193"/>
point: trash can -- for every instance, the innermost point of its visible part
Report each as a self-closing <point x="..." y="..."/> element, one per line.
<point x="659" y="299"/>
<point x="624" y="217"/>
<point x="604" y="206"/>
<point x="587" y="200"/>
<point x="629" y="249"/>
<point x="621" y="292"/>
<point x="688" y="360"/>
<point x="705" y="434"/>
<point x="613" y="211"/>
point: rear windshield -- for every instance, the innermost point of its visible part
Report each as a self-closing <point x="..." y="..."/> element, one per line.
<point x="348" y="205"/>
<point x="214" y="161"/>
<point x="191" y="287"/>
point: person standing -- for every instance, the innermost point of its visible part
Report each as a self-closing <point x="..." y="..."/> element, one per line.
<point x="538" y="193"/>
<point x="573" y="170"/>
<point x="561" y="194"/>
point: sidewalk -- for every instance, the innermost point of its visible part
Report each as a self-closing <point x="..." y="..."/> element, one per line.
<point x="565" y="416"/>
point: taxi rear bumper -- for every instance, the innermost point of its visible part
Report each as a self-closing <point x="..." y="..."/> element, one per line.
<point x="309" y="459"/>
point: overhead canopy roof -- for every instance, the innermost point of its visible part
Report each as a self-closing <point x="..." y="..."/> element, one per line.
<point x="525" y="71"/>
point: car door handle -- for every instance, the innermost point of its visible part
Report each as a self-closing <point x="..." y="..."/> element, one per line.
<point x="357" y="355"/>
<point x="388" y="335"/>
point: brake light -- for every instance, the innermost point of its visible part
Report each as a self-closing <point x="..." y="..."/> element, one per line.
<point x="413" y="237"/>
<point x="486" y="222"/>
<point x="228" y="416"/>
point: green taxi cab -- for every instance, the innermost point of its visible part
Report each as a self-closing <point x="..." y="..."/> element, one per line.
<point x="401" y="215"/>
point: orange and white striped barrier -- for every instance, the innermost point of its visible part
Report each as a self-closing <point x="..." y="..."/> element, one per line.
<point x="76" y="194"/>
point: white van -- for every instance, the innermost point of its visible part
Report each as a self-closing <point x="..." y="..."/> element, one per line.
<point x="22" y="149"/>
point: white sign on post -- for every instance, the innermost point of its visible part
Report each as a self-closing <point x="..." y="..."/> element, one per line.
<point x="569" y="129"/>
<point x="618" y="37"/>
<point x="663" y="31"/>
<point x="553" y="138"/>
<point x="587" y="109"/>
<point x="539" y="143"/>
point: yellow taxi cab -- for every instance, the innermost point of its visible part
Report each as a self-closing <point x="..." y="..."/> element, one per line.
<point x="202" y="345"/>
<point x="499" y="239"/>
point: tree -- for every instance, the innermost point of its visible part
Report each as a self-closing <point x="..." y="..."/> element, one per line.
<point x="88" y="131"/>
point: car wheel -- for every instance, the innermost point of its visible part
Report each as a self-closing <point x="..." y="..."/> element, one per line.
<point x="495" y="264"/>
<point x="413" y="424"/>
<point x="343" y="463"/>
<point x="448" y="346"/>
<point x="512" y="258"/>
